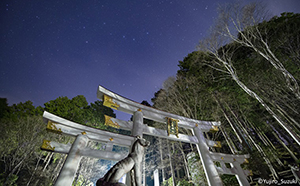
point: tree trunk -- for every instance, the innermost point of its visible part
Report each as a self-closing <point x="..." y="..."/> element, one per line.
<point x="230" y="69"/>
<point x="36" y="166"/>
<point x="49" y="159"/>
<point x="229" y="141"/>
<point x="161" y="159"/>
<point x="12" y="172"/>
<point x="58" y="167"/>
<point x="186" y="167"/>
<point x="289" y="150"/>
<point x="171" y="166"/>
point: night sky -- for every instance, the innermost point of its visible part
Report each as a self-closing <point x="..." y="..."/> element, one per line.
<point x="51" y="48"/>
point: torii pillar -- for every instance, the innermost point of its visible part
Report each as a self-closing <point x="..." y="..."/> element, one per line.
<point x="137" y="130"/>
<point x="211" y="172"/>
<point x="69" y="169"/>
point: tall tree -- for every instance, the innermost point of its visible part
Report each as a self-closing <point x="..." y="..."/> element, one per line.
<point x="71" y="109"/>
<point x="247" y="125"/>
<point x="242" y="24"/>
<point x="224" y="59"/>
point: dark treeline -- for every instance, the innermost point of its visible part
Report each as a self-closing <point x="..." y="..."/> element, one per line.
<point x="22" y="162"/>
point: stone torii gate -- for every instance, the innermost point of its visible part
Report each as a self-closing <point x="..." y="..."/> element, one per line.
<point x="138" y="128"/>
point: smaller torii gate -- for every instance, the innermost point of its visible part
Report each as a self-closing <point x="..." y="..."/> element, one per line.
<point x="138" y="128"/>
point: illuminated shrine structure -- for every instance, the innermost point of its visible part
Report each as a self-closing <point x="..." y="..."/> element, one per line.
<point x="84" y="134"/>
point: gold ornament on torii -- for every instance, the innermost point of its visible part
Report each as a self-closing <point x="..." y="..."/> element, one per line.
<point x="172" y="126"/>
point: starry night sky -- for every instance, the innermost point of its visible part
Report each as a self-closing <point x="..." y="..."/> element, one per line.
<point x="69" y="47"/>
